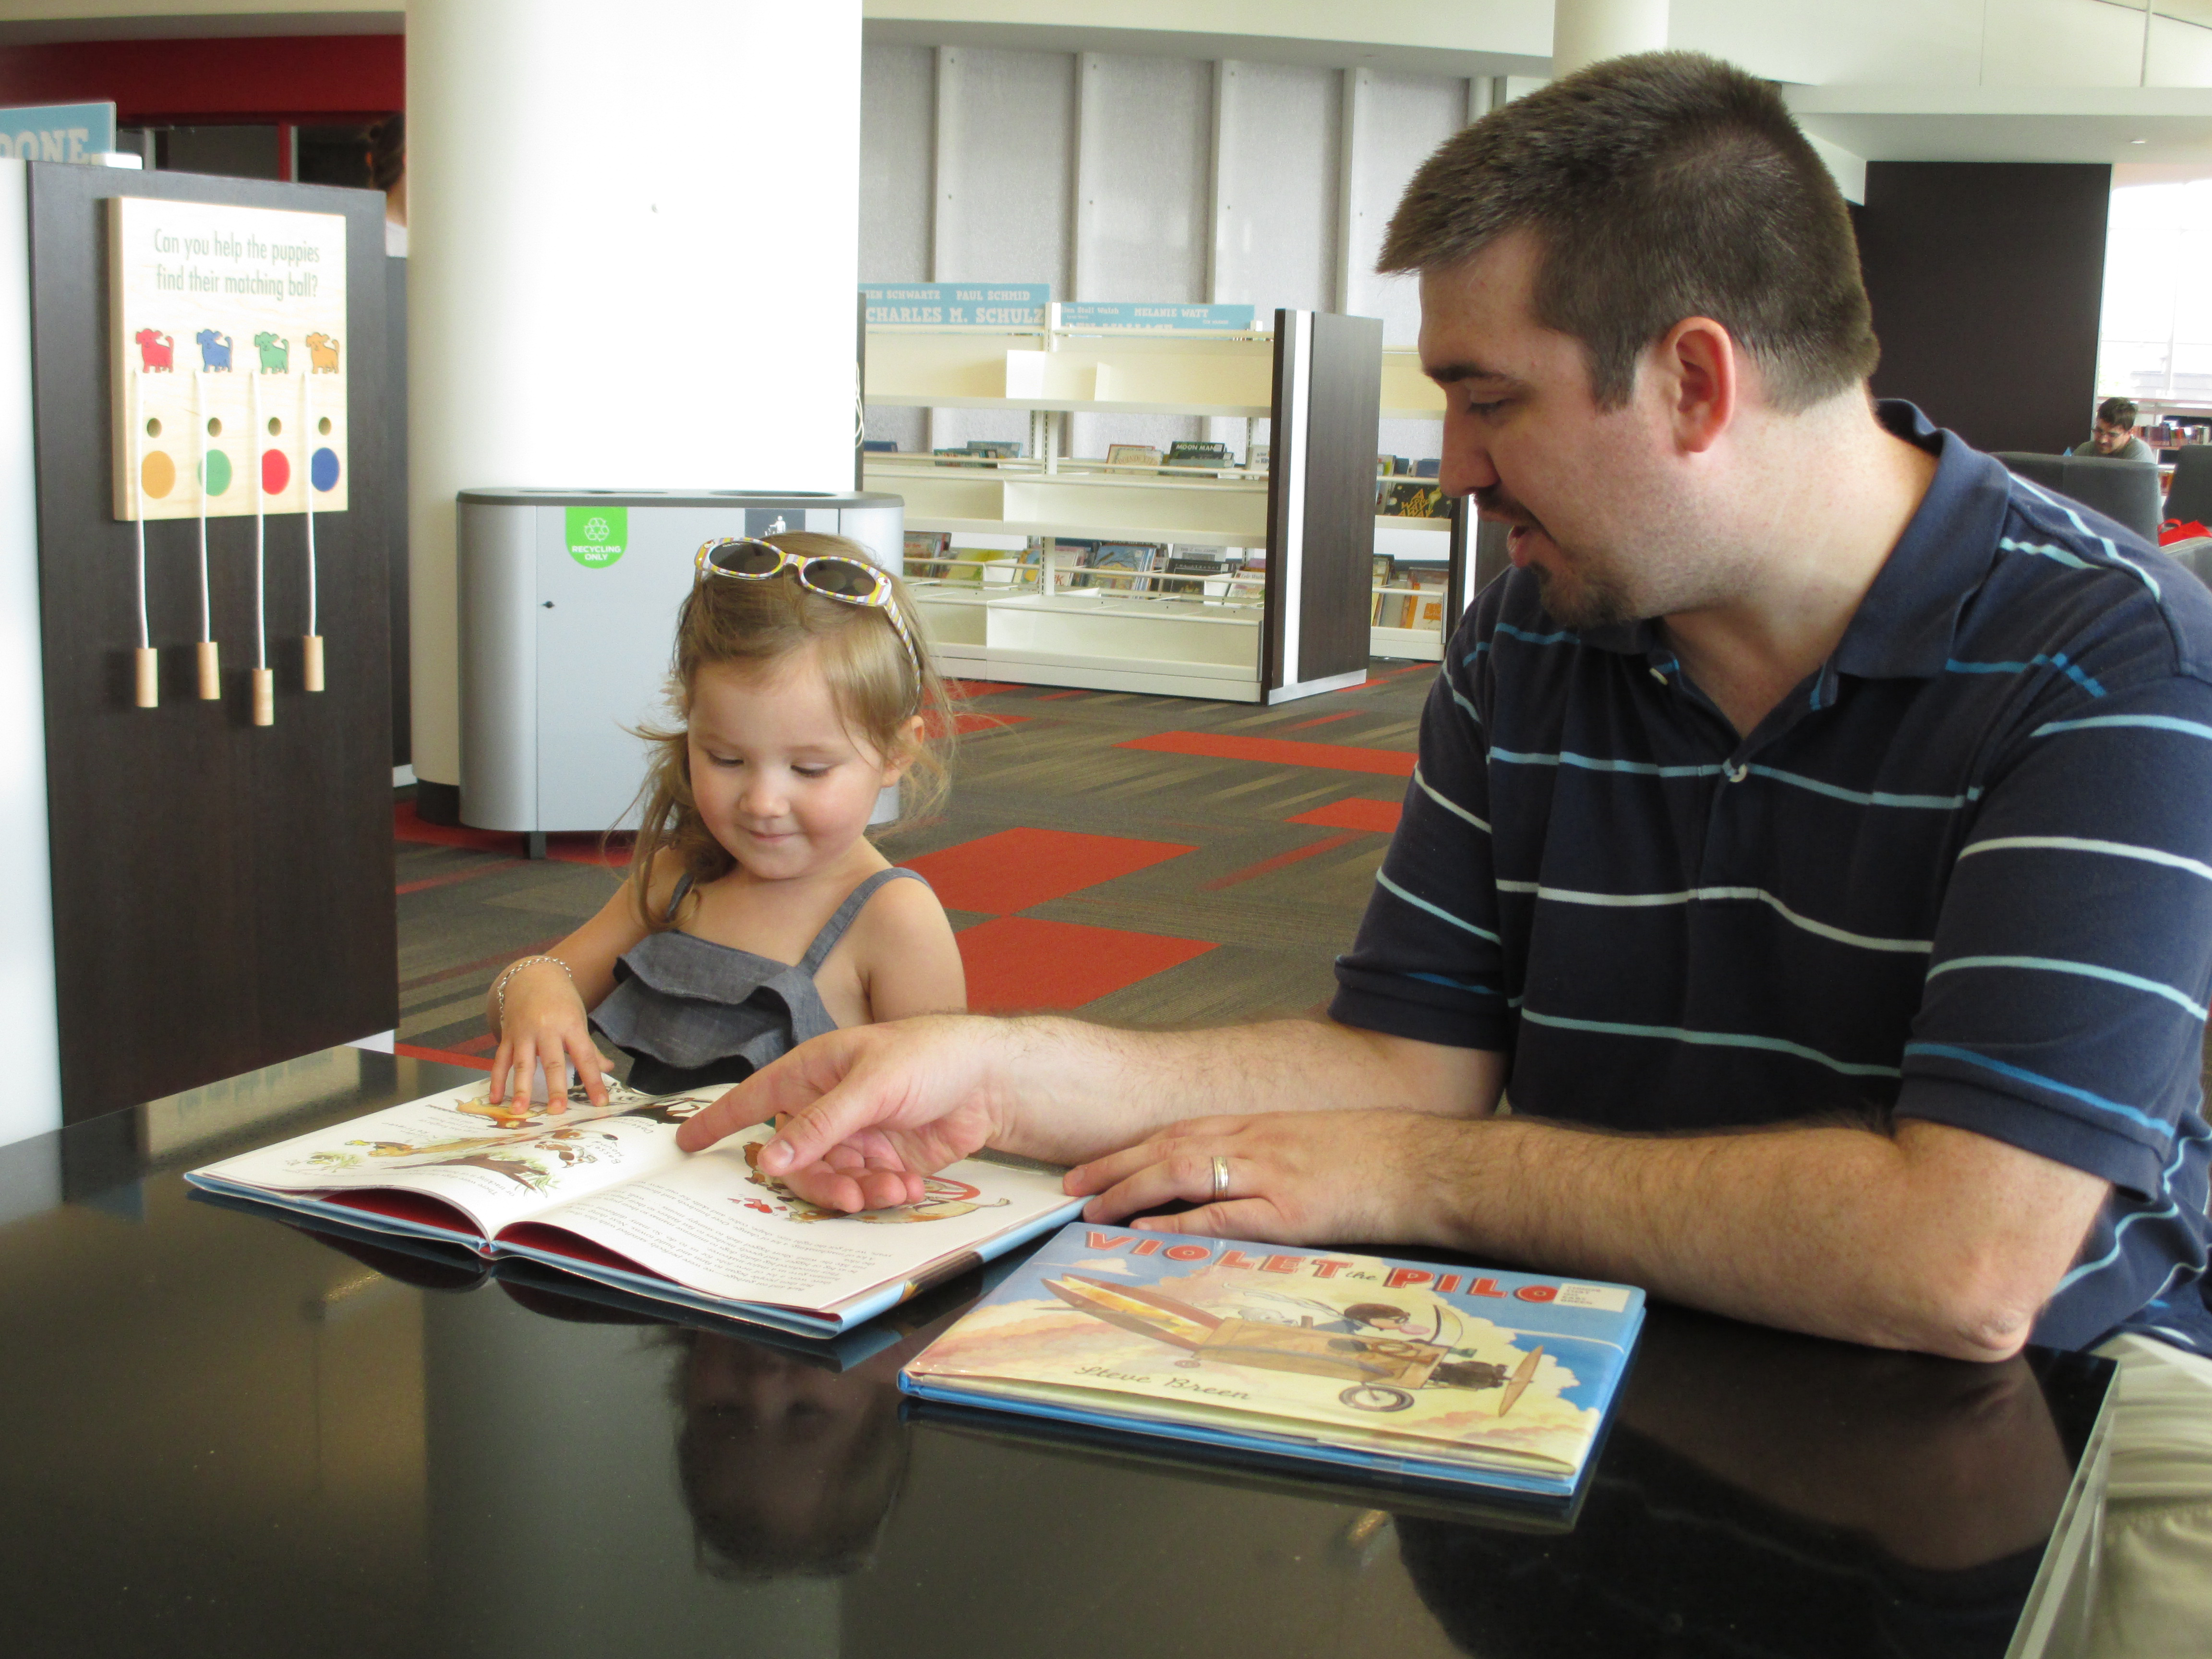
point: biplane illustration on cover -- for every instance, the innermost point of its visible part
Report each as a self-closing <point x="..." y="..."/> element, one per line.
<point x="1500" y="1379"/>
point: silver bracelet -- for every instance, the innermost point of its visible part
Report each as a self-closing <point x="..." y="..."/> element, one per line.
<point x="499" y="985"/>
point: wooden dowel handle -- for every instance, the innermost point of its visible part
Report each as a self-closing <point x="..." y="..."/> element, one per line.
<point x="210" y="670"/>
<point x="149" y="664"/>
<point x="311" y="667"/>
<point x="264" y="697"/>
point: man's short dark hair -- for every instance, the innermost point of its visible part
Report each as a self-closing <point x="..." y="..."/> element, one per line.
<point x="2116" y="411"/>
<point x="1659" y="186"/>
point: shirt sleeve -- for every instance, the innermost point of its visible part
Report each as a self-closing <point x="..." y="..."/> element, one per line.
<point x="1428" y="964"/>
<point x="2063" y="1011"/>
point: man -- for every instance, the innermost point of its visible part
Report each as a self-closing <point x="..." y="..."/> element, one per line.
<point x="1810" y="829"/>
<point x="2113" y="435"/>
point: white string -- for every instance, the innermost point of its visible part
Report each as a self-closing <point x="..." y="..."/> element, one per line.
<point x="308" y="480"/>
<point x="137" y="499"/>
<point x="260" y="592"/>
<point x="199" y="425"/>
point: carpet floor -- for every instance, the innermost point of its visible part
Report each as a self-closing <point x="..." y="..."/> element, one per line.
<point x="1147" y="861"/>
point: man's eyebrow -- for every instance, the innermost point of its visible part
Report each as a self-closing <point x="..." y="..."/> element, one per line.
<point x="1450" y="373"/>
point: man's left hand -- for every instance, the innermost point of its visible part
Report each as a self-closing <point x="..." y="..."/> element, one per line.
<point x="1288" y="1177"/>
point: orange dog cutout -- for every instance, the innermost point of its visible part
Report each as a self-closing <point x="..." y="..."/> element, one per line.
<point x="323" y="353"/>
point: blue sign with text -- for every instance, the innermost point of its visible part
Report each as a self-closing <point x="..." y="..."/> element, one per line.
<point x="56" y="132"/>
<point x="1151" y="314"/>
<point x="1019" y="305"/>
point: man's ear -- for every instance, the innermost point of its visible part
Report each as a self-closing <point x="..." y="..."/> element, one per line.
<point x="1700" y="369"/>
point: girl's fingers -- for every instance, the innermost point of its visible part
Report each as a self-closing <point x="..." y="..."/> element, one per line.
<point x="590" y="1067"/>
<point x="497" y="1091"/>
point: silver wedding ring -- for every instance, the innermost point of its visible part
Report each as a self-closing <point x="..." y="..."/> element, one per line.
<point x="1220" y="1176"/>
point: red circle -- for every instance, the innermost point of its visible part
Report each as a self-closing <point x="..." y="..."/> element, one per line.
<point x="275" y="471"/>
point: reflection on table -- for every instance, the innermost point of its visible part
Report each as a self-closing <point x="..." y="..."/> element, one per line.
<point x="233" y="1436"/>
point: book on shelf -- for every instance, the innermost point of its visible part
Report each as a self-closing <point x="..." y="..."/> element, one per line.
<point x="1385" y="576"/>
<point x="879" y="446"/>
<point x="1194" y="452"/>
<point x="927" y="548"/>
<point x="1410" y="499"/>
<point x="1256" y="458"/>
<point x="979" y="451"/>
<point x="1426" y="608"/>
<point x="1498" y="1379"/>
<point x="603" y="1194"/>
<point x="1132" y="557"/>
<point x="1132" y="455"/>
<point x="1392" y="466"/>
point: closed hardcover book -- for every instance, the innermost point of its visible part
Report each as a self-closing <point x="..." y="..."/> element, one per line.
<point x="1479" y="1375"/>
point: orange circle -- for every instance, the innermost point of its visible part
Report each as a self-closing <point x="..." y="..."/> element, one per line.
<point x="157" y="473"/>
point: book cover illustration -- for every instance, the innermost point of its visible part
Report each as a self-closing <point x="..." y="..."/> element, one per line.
<point x="1464" y="1366"/>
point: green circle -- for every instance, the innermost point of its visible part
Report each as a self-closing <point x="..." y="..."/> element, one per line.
<point x="218" y="472"/>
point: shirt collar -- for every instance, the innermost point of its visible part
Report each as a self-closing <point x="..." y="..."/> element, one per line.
<point x="1903" y="627"/>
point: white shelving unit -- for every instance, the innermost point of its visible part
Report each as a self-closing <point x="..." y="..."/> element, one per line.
<point x="1238" y="637"/>
<point x="1410" y="395"/>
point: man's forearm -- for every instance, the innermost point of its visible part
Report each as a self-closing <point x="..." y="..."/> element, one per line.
<point x="1071" y="1090"/>
<point x="1935" y="1239"/>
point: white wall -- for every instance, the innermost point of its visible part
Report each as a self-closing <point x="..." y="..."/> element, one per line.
<point x="633" y="247"/>
<point x="1119" y="177"/>
<point x="30" y="1032"/>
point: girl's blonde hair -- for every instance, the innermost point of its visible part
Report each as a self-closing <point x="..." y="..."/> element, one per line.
<point x="759" y="622"/>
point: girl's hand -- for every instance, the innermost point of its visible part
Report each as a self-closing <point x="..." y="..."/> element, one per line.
<point x="546" y="1025"/>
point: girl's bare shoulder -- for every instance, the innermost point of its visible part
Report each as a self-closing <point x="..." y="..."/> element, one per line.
<point x="897" y="914"/>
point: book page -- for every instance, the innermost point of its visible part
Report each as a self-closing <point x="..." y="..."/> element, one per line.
<point x="494" y="1163"/>
<point x="718" y="1226"/>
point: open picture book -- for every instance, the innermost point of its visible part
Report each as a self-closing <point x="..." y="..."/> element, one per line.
<point x="603" y="1192"/>
<point x="1467" y="1375"/>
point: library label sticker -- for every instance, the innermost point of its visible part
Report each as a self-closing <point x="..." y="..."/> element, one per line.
<point x="598" y="535"/>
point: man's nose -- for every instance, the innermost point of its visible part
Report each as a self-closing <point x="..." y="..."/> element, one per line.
<point x="1466" y="466"/>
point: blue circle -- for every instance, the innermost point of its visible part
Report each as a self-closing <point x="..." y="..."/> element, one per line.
<point x="323" y="469"/>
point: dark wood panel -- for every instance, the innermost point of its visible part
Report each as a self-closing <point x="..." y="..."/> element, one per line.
<point x="1986" y="280"/>
<point x="223" y="893"/>
<point x="1336" y="597"/>
<point x="395" y="502"/>
<point x="1270" y="597"/>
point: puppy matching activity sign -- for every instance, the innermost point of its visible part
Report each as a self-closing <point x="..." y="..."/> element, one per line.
<point x="230" y="336"/>
<point x="230" y="348"/>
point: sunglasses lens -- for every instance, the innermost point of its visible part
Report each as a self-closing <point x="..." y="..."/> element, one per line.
<point x="745" y="558"/>
<point x="842" y="577"/>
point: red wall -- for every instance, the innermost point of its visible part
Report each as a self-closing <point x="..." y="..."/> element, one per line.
<point x="293" y="78"/>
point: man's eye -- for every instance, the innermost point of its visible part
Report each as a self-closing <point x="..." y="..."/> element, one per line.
<point x="1487" y="410"/>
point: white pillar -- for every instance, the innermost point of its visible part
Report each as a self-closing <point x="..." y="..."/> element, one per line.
<point x="1583" y="31"/>
<point x="30" y="1027"/>
<point x="634" y="243"/>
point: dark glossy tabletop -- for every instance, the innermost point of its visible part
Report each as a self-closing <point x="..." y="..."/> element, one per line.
<point x="225" y="1435"/>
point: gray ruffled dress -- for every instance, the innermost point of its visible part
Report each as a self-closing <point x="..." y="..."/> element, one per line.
<point x="691" y="1014"/>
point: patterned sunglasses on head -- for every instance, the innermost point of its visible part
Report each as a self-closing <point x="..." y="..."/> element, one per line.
<point x="848" y="581"/>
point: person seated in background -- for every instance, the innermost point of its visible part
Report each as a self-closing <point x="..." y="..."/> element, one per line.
<point x="2114" y="435"/>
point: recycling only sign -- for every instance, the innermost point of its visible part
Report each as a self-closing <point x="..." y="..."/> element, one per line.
<point x="598" y="535"/>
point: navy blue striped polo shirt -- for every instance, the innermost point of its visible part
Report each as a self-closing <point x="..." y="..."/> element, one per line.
<point x="1963" y="873"/>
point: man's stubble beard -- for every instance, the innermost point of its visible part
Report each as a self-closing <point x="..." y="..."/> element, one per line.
<point x="1595" y="601"/>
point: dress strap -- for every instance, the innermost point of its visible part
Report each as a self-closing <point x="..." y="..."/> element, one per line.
<point x="834" y="929"/>
<point x="676" y="898"/>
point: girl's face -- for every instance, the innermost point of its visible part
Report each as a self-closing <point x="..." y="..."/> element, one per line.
<point x="779" y="781"/>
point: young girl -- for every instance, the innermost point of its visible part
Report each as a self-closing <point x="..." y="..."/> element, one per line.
<point x="757" y="914"/>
